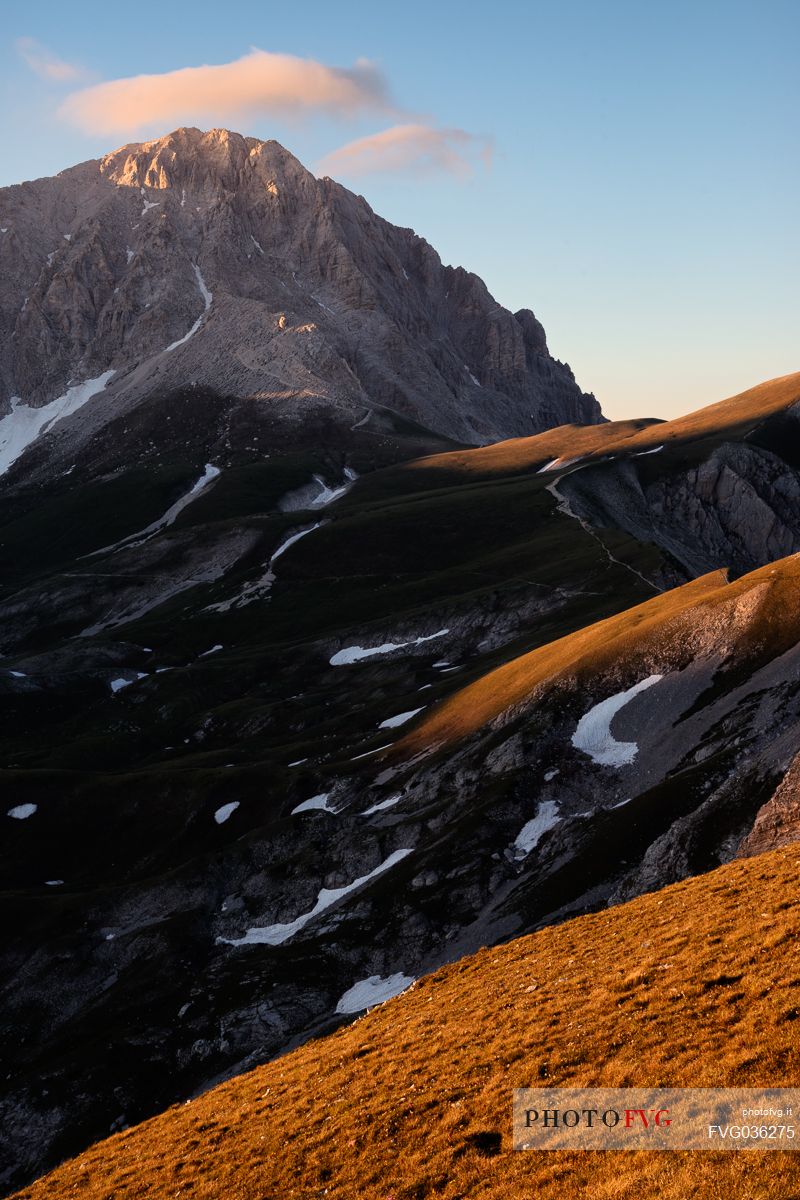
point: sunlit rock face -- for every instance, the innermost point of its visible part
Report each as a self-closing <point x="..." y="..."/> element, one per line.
<point x="293" y="290"/>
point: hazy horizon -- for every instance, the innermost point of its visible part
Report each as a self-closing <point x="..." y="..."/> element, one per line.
<point x="630" y="176"/>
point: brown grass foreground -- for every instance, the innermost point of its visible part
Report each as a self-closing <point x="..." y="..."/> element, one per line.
<point x="696" y="985"/>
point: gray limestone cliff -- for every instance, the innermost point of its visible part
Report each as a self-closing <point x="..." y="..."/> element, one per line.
<point x="220" y="260"/>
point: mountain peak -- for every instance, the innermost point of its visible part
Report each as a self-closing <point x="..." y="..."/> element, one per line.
<point x="190" y="156"/>
<point x="217" y="259"/>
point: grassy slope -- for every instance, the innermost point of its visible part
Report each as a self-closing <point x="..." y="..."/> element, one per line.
<point x="394" y="562"/>
<point x="696" y="985"/>
<point x="633" y="633"/>
<point x="729" y="419"/>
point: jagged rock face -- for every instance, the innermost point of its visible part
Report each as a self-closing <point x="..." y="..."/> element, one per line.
<point x="297" y="293"/>
<point x="736" y="508"/>
<point x="778" y="821"/>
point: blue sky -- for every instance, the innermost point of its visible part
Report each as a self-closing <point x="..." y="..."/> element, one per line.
<point x="643" y="193"/>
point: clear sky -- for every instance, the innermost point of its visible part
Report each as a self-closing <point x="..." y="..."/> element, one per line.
<point x="642" y="193"/>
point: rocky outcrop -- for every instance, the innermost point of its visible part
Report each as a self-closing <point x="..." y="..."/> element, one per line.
<point x="777" y="822"/>
<point x="221" y="260"/>
<point x="737" y="507"/>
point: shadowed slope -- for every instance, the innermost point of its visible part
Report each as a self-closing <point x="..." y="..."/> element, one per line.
<point x="696" y="985"/>
<point x="175" y="810"/>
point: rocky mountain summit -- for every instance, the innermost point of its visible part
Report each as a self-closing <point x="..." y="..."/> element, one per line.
<point x="220" y="260"/>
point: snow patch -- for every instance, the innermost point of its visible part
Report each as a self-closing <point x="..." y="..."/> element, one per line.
<point x="326" y="494"/>
<point x="260" y="588"/>
<point x="227" y="810"/>
<point x="210" y="472"/>
<point x="477" y="382"/>
<point x="353" y="654"/>
<point x="214" y="650"/>
<point x="548" y="775"/>
<point x="556" y="464"/>
<point x="369" y="753"/>
<point x="642" y="453"/>
<point x="322" y="304"/>
<point x="274" y="935"/>
<point x="22" y="811"/>
<point x="207" y="298"/>
<point x="382" y="804"/>
<point x="53" y="882"/>
<point x="373" y="990"/>
<point x="290" y="541"/>
<point x="593" y="735"/>
<point x="531" y="833"/>
<point x="121" y="682"/>
<point x="319" y="802"/>
<point x="308" y="497"/>
<point x="67" y="237"/>
<point x="257" y="245"/>
<point x="24" y="425"/>
<point x="18" y="674"/>
<point x="400" y="719"/>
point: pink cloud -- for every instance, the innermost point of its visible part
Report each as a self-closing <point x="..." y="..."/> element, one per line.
<point x="409" y="149"/>
<point x="260" y="82"/>
<point x="46" y="64"/>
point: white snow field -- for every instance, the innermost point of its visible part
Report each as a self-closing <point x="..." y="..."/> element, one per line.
<point x="319" y="803"/>
<point x="207" y="298"/>
<point x="593" y="735"/>
<point x="290" y="540"/>
<point x="374" y="990"/>
<point x="382" y="804"/>
<point x="318" y="493"/>
<point x="22" y="811"/>
<point x="227" y="810"/>
<point x="353" y="654"/>
<point x="532" y="832"/>
<point x="121" y="682"/>
<point x="556" y="464"/>
<point x="274" y="935"/>
<point x="400" y="718"/>
<point x="259" y="589"/>
<point x="210" y="473"/>
<point x="24" y="425"/>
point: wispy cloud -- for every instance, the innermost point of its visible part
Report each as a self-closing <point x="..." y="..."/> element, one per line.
<point x="411" y="150"/>
<point x="260" y="82"/>
<point x="46" y="64"/>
